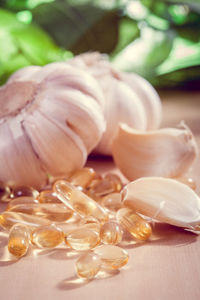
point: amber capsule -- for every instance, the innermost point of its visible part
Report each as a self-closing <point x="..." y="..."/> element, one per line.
<point x="134" y="224"/>
<point x="47" y="236"/>
<point x="82" y="177"/>
<point x="48" y="196"/>
<point x="116" y="180"/>
<point x="188" y="181"/>
<point x="110" y="183"/>
<point x="112" y="202"/>
<point x="21" y="191"/>
<point x="18" y="241"/>
<point x="112" y="257"/>
<point x="4" y="192"/>
<point x="88" y="265"/>
<point x="9" y="218"/>
<point x="111" y="233"/>
<point x="21" y="200"/>
<point x="83" y="239"/>
<point x="57" y="212"/>
<point x="78" y="201"/>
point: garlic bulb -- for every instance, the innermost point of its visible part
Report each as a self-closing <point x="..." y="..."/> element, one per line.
<point x="128" y="98"/>
<point x="165" y="200"/>
<point x="165" y="152"/>
<point x="50" y="119"/>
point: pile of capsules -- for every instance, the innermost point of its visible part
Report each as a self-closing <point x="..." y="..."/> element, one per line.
<point x="85" y="212"/>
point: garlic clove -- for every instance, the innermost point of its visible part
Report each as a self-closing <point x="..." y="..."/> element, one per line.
<point x="148" y="96"/>
<point x="24" y="74"/>
<point x="71" y="108"/>
<point x="19" y="162"/>
<point x="129" y="98"/>
<point x="165" y="200"/>
<point x="122" y="105"/>
<point x="59" y="149"/>
<point x="166" y="152"/>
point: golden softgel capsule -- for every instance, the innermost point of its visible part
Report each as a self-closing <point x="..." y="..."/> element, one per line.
<point x="111" y="233"/>
<point x="112" y="257"/>
<point x="18" y="241"/>
<point x="83" y="239"/>
<point x="47" y="236"/>
<point x="48" y="196"/>
<point x="82" y="177"/>
<point x="78" y="201"/>
<point x="134" y="224"/>
<point x="57" y="212"/>
<point x="21" y="200"/>
<point x="88" y="265"/>
<point x="9" y="218"/>
<point x="110" y="183"/>
<point x="112" y="202"/>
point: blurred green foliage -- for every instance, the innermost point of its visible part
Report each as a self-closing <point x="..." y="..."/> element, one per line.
<point x="159" y="40"/>
<point x="23" y="45"/>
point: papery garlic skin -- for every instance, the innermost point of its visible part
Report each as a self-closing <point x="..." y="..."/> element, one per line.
<point x="166" y="152"/>
<point x="51" y="118"/>
<point x="165" y="200"/>
<point x="128" y="98"/>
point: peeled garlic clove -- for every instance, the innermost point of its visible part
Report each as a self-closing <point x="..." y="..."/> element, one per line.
<point x="165" y="200"/>
<point x="51" y="118"/>
<point x="166" y="152"/>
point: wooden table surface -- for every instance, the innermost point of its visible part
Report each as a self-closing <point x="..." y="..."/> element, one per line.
<point x="166" y="267"/>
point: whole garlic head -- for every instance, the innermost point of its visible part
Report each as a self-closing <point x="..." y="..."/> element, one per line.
<point x="50" y="119"/>
<point x="129" y="98"/>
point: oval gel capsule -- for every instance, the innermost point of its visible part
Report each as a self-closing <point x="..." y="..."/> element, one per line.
<point x="18" y="241"/>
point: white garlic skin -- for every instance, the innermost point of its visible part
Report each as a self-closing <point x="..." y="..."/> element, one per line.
<point x="129" y="98"/>
<point x="165" y="200"/>
<point x="51" y="118"/>
<point x="167" y="152"/>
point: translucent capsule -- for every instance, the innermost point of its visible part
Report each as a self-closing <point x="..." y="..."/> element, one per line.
<point x="116" y="180"/>
<point x="9" y="218"/>
<point x="82" y="177"/>
<point x="21" y="191"/>
<point x="78" y="201"/>
<point x="134" y="224"/>
<point x="90" y="223"/>
<point x="111" y="233"/>
<point x="21" y="200"/>
<point x="112" y="202"/>
<point x="67" y="228"/>
<point x="110" y="183"/>
<point x="48" y="196"/>
<point x="47" y="236"/>
<point x="18" y="241"/>
<point x="188" y="181"/>
<point x="88" y="265"/>
<point x="83" y="239"/>
<point x="57" y="212"/>
<point x="4" y="192"/>
<point x="112" y="257"/>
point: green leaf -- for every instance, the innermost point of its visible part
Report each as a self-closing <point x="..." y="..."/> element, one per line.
<point x="184" y="54"/>
<point x="145" y="53"/>
<point x="128" y="31"/>
<point x="37" y="46"/>
<point x="81" y="27"/>
<point x="22" y="45"/>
